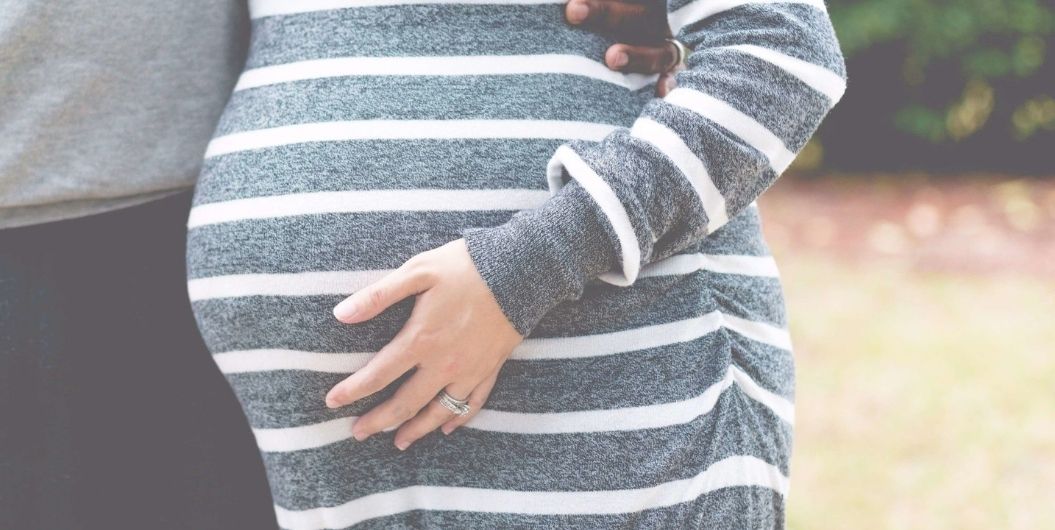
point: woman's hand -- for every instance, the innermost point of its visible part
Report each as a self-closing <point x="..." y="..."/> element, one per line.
<point x="457" y="337"/>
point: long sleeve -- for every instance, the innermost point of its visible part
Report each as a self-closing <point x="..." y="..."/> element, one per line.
<point x="762" y="76"/>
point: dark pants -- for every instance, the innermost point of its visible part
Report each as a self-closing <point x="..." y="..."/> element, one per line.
<point x="112" y="414"/>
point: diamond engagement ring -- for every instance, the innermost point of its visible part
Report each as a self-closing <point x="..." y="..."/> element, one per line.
<point x="681" y="53"/>
<point x="457" y="406"/>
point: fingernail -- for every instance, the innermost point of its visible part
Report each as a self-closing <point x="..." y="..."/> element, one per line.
<point x="577" y="12"/>
<point x="402" y="446"/>
<point x="358" y="435"/>
<point x="620" y="60"/>
<point x="446" y="429"/>
<point x="671" y="83"/>
<point x="345" y="310"/>
<point x="333" y="399"/>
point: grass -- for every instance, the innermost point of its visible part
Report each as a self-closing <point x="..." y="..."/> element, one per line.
<point x="925" y="399"/>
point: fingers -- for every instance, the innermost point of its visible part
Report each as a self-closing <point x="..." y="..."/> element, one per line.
<point x="641" y="59"/>
<point x="371" y="300"/>
<point x="394" y="360"/>
<point x="431" y="417"/>
<point x="409" y="399"/>
<point x="477" y="399"/>
<point x="666" y="83"/>
<point x="636" y="23"/>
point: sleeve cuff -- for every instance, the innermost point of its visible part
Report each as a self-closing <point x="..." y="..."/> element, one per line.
<point x="567" y="161"/>
<point x="544" y="256"/>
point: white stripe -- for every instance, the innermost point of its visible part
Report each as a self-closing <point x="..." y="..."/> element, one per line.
<point x="441" y="66"/>
<point x="289" y="439"/>
<point x="245" y="361"/>
<point x="615" y="342"/>
<point x="608" y="201"/>
<point x="680" y="264"/>
<point x="270" y="8"/>
<point x="279" y="440"/>
<point x="630" y="418"/>
<point x="651" y="336"/>
<point x="403" y="130"/>
<point x="671" y="145"/>
<point x="817" y="77"/>
<point x="288" y="284"/>
<point x="364" y="201"/>
<point x="701" y="9"/>
<point x="606" y="420"/>
<point x="730" y="472"/>
<point x="747" y="128"/>
<point x="781" y="406"/>
<point x="533" y="349"/>
<point x="758" y="331"/>
<point x="347" y="282"/>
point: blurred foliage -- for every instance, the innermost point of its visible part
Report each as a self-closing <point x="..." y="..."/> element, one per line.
<point x="957" y="58"/>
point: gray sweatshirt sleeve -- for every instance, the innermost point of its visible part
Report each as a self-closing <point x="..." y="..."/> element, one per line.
<point x="762" y="76"/>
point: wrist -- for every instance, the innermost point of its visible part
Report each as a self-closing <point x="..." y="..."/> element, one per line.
<point x="544" y="256"/>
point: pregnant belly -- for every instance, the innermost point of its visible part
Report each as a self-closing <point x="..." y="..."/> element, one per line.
<point x="357" y="139"/>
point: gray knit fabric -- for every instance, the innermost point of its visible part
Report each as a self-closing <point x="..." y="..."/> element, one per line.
<point x="655" y="386"/>
<point x="109" y="103"/>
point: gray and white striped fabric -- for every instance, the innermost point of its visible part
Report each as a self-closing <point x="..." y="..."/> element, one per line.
<point x="616" y="230"/>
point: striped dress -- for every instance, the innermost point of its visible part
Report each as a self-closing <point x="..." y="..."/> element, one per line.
<point x="616" y="230"/>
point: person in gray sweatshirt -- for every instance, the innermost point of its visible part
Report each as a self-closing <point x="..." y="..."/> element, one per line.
<point x="113" y="414"/>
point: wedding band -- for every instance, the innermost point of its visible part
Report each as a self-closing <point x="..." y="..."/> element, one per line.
<point x="681" y="51"/>
<point x="457" y="406"/>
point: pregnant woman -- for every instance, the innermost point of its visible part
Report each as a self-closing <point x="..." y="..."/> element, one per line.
<point x="440" y="176"/>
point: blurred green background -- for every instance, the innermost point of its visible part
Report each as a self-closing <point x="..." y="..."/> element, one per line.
<point x="916" y="240"/>
<point x="949" y="85"/>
